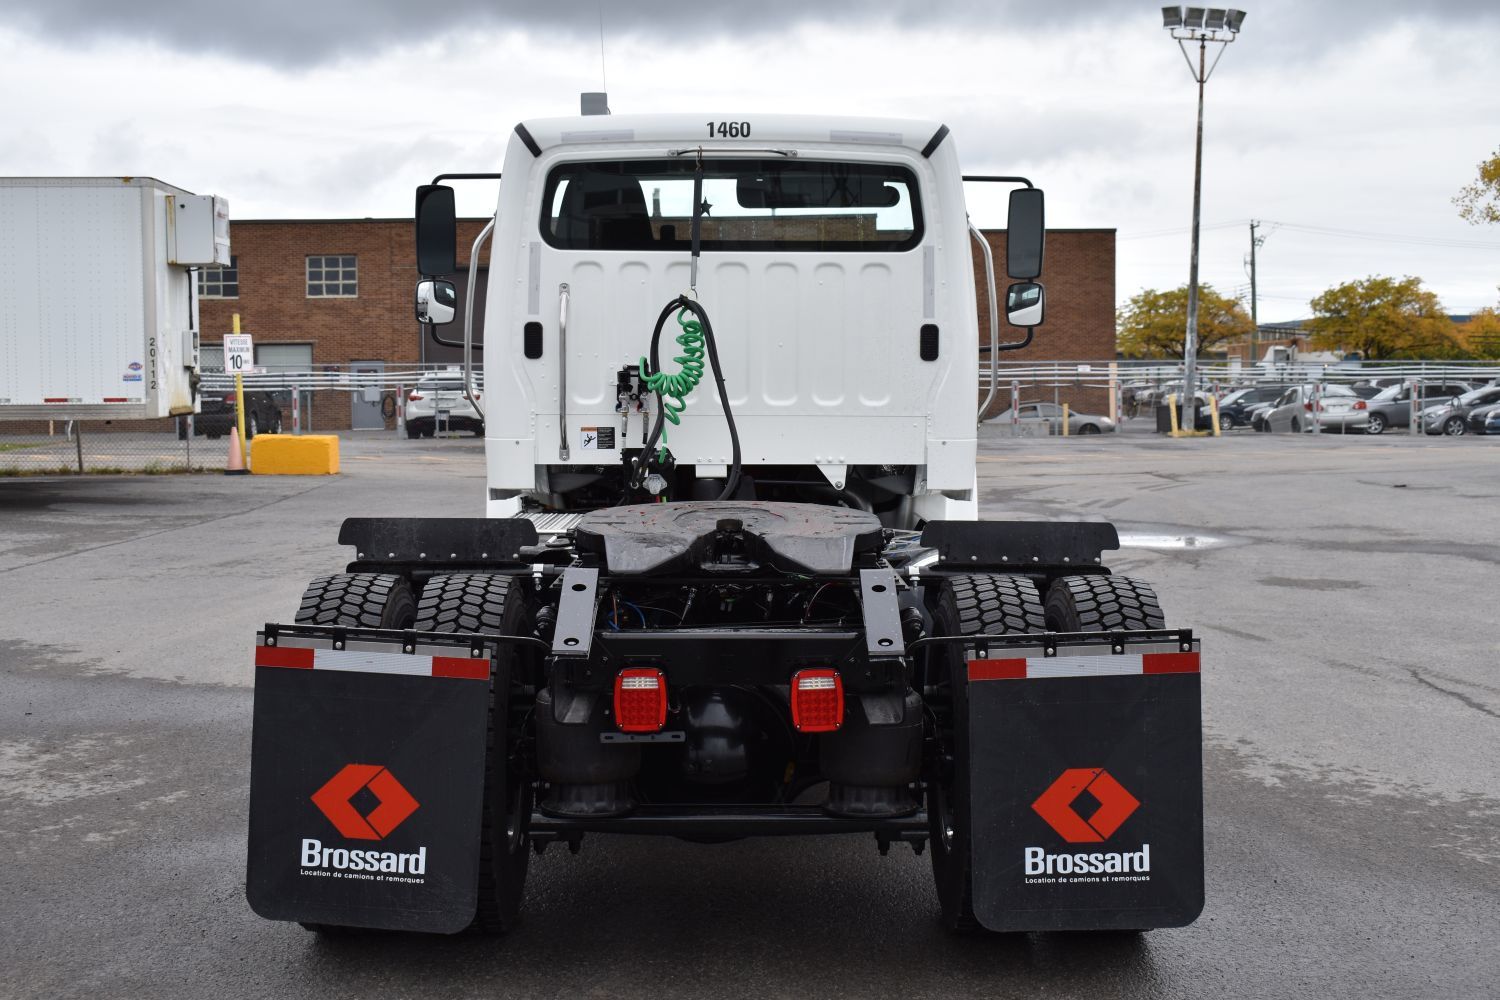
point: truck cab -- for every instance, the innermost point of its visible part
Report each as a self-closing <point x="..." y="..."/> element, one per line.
<point x="834" y="257"/>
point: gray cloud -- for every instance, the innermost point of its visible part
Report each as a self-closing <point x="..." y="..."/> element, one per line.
<point x="298" y="34"/>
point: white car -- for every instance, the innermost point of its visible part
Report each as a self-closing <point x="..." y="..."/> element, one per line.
<point x="437" y="403"/>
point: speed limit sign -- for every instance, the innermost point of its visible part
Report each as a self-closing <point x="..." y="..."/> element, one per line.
<point x="239" y="354"/>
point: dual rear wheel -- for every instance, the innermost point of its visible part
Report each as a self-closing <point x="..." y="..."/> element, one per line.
<point x="998" y="604"/>
<point x="486" y="604"/>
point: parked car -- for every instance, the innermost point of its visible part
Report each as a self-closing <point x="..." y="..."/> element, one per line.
<point x="1452" y="418"/>
<point x="1335" y="408"/>
<point x="1479" y="419"/>
<point x="1384" y="382"/>
<point x="438" y="402"/>
<point x="1392" y="408"/>
<point x="1235" y="408"/>
<point x="262" y="415"/>
<point x="1078" y="423"/>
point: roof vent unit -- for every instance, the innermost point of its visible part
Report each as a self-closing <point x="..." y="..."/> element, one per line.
<point x="593" y="103"/>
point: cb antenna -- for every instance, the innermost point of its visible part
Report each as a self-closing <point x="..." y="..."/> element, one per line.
<point x="603" y="73"/>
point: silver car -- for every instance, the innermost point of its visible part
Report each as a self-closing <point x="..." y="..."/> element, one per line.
<point x="1334" y="408"/>
<point x="1051" y="414"/>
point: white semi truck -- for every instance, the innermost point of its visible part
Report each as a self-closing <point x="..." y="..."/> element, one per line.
<point x="100" y="315"/>
<point x="763" y="604"/>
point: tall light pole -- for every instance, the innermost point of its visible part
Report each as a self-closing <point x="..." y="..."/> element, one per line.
<point x="1202" y="25"/>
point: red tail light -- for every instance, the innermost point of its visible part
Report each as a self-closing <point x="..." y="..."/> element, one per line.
<point x="1361" y="405"/>
<point x="415" y="397"/>
<point x="817" y="701"/>
<point x="1307" y="406"/>
<point x="640" y="700"/>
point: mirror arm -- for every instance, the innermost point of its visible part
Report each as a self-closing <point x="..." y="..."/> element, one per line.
<point x="1016" y="345"/>
<point x="438" y="180"/>
<point x="433" y="330"/>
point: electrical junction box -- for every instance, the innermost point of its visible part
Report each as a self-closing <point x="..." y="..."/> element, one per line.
<point x="197" y="230"/>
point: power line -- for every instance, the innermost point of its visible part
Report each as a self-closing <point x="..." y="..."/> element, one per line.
<point x="1409" y="240"/>
<point x="1332" y="232"/>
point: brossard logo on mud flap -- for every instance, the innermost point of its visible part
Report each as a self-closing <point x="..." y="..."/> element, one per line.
<point x="393" y="805"/>
<point x="1055" y="806"/>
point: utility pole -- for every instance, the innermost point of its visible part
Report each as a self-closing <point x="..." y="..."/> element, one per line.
<point x="1254" y="316"/>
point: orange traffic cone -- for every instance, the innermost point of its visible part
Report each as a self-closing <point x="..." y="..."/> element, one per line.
<point x="236" y="465"/>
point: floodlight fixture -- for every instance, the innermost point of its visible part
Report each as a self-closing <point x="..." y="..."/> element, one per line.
<point x="1215" y="19"/>
<point x="1235" y="19"/>
<point x="1194" y="17"/>
<point x="1171" y="17"/>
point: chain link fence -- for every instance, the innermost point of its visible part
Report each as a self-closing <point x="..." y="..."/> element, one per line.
<point x="68" y="447"/>
<point x="318" y="400"/>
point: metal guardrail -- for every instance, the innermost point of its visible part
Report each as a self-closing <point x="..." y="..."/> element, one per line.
<point x="1104" y="374"/>
<point x="1092" y="374"/>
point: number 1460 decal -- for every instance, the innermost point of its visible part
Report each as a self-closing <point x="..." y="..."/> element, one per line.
<point x="729" y="130"/>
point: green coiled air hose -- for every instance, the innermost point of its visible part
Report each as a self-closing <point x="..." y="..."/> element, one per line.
<point x="673" y="389"/>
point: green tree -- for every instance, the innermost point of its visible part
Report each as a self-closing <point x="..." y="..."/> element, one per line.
<point x="1153" y="324"/>
<point x="1383" y="318"/>
<point x="1479" y="203"/>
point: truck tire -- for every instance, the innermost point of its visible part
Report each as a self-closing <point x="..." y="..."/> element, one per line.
<point x="488" y="603"/>
<point x="1101" y="604"/>
<point x="370" y="600"/>
<point x="977" y="604"/>
<point x="367" y="600"/>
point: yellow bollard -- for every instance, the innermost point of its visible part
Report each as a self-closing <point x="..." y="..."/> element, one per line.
<point x="1213" y="405"/>
<point x="1065" y="420"/>
<point x="1172" y="410"/>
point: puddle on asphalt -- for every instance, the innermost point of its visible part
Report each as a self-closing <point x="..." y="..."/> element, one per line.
<point x="1166" y="537"/>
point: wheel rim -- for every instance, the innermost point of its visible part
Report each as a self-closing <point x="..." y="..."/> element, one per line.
<point x="1377" y="424"/>
<point x="1454" y="427"/>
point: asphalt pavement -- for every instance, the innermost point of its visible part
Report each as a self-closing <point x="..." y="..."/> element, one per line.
<point x="1343" y="588"/>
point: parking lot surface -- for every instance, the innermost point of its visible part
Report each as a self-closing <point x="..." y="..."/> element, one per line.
<point x="1345" y="594"/>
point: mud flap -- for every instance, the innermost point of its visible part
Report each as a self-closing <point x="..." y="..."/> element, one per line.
<point x="1086" y="784"/>
<point x="367" y="780"/>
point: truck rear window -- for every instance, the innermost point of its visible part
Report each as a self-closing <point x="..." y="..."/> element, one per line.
<point x="749" y="205"/>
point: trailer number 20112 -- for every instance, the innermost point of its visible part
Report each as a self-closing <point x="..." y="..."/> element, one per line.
<point x="729" y="130"/>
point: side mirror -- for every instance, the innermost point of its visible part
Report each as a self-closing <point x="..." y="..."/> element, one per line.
<point x="1025" y="304"/>
<point x="436" y="302"/>
<point x="437" y="231"/>
<point x="1026" y="233"/>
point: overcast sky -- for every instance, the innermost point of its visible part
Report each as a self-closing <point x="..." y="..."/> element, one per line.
<point x="1347" y="130"/>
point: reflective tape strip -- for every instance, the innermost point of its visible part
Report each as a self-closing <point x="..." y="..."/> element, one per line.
<point x="370" y="662"/>
<point x="1104" y="665"/>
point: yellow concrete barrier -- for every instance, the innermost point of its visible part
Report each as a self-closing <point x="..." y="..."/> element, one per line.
<point x="295" y="455"/>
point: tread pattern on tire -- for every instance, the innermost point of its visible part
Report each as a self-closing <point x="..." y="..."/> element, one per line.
<point x="477" y="602"/>
<point x="986" y="604"/>
<point x="993" y="604"/>
<point x="463" y="602"/>
<point x="349" y="599"/>
<point x="1103" y="604"/>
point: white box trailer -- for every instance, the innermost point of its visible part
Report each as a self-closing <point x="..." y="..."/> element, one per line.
<point x="98" y="310"/>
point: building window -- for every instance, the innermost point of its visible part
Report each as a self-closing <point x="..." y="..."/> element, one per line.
<point x="332" y="277"/>
<point x="220" y="282"/>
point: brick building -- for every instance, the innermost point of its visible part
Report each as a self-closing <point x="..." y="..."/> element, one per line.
<point x="322" y="292"/>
